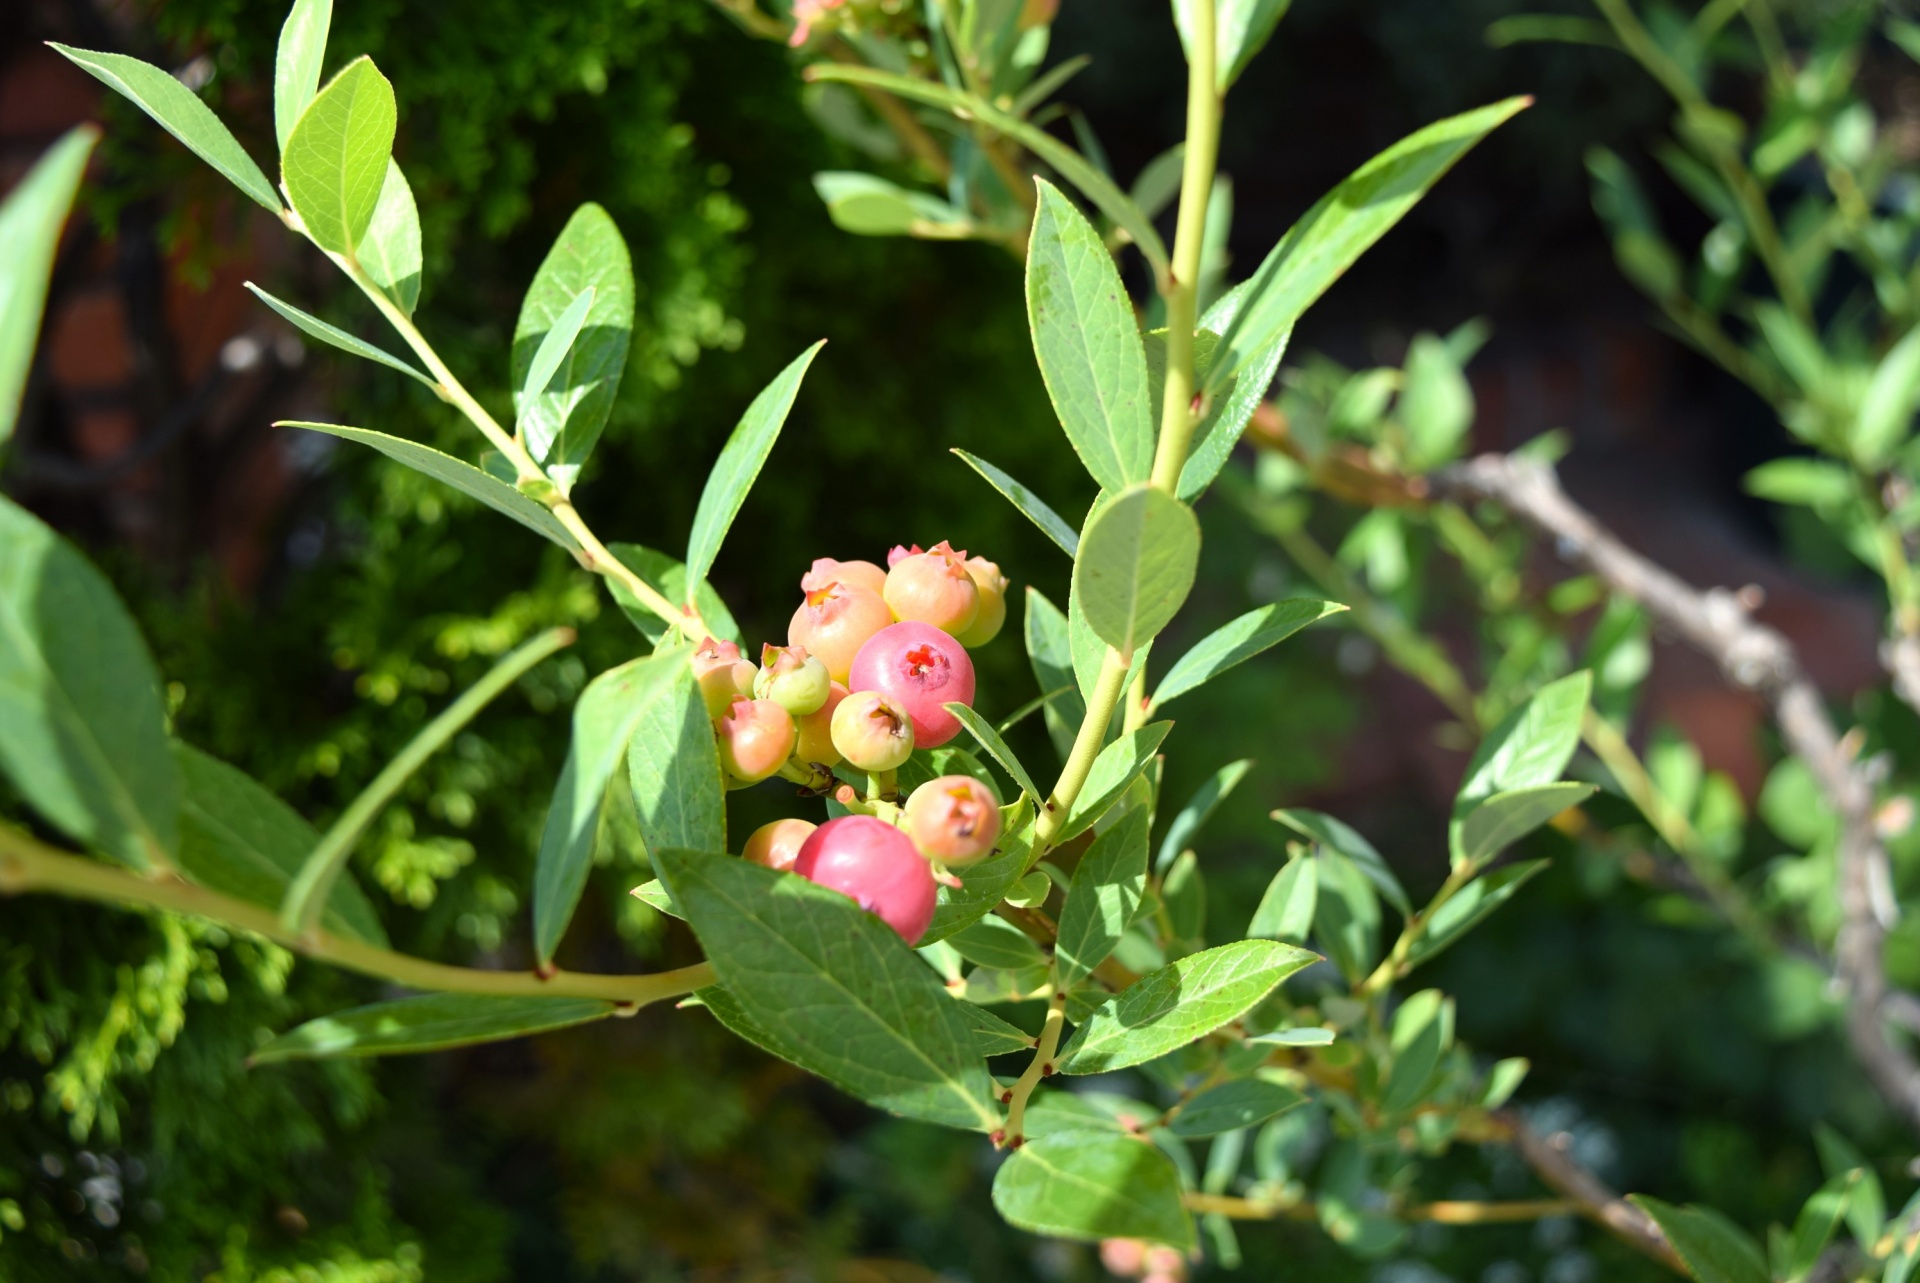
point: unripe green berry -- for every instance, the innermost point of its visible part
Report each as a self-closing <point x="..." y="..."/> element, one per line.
<point x="791" y="678"/>
<point x="992" y="586"/>
<point x="756" y="738"/>
<point x="954" y="819"/>
<point x="872" y="732"/>
<point x="933" y="587"/>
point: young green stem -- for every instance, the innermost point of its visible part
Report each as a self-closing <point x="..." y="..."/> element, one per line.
<point x="306" y="897"/>
<point x="1395" y="964"/>
<point x="29" y="865"/>
<point x="1039" y="1067"/>
<point x="1086" y="746"/>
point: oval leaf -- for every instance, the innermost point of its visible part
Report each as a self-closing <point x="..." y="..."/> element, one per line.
<point x="335" y="162"/>
<point x="1136" y="565"/>
<point x="1118" y="765"/>
<point x="390" y="251"/>
<point x="30" y="223"/>
<point x="1505" y="818"/>
<point x="995" y="942"/>
<point x="1093" y="1184"/>
<point x="1246" y="1102"/>
<point x="296" y="64"/>
<point x="433" y="1022"/>
<point x="673" y="767"/>
<point x="1104" y="896"/>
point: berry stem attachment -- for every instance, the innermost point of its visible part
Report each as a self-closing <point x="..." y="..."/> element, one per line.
<point x="1086" y="746"/>
<point x="1039" y="1067"/>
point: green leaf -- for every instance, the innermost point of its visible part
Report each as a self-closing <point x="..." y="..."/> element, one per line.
<point x="1088" y="651"/>
<point x="1714" y="1248"/>
<point x="337" y="337"/>
<point x="1346" y="914"/>
<point x="1505" y="818"/>
<point x="869" y="206"/>
<point x="1337" y="835"/>
<point x="1893" y="394"/>
<point x="82" y="725"/>
<point x="1050" y="652"/>
<point x="995" y="942"/>
<point x="1241" y="29"/>
<point x="1341" y="227"/>
<point x="433" y="1022"/>
<point x="834" y="989"/>
<point x="1118" y="765"/>
<point x="1303" y="1036"/>
<point x="240" y="840"/>
<point x="740" y="462"/>
<point x="1198" y="810"/>
<point x="1239" y="641"/>
<point x="1244" y="1102"/>
<point x="464" y="477"/>
<point x="1822" y="484"/>
<point x="669" y="575"/>
<point x="1088" y="1184"/>
<point x="1088" y="344"/>
<point x="993" y="1036"/>
<point x="984" y="885"/>
<point x="978" y="727"/>
<point x="1531" y="746"/>
<point x="178" y="111"/>
<point x="1436" y="404"/>
<point x="1184" y="893"/>
<point x="1464" y="910"/>
<point x="1286" y="910"/>
<point x="30" y="223"/>
<point x="673" y="767"/>
<point x="1819" y="1219"/>
<point x="1422" y="1032"/>
<point x="335" y="161"/>
<point x="1232" y="408"/>
<point x="561" y="421"/>
<point x="654" y="893"/>
<point x="390" y="251"/>
<point x="1104" y="896"/>
<point x="1180" y="1003"/>
<point x="610" y="710"/>
<point x="554" y="348"/>
<point x="1030" y="504"/>
<point x="296" y="65"/>
<point x="1136" y="566"/>
<point x="1867" y="1210"/>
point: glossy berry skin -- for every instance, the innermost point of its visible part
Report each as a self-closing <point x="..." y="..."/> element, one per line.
<point x="722" y="675"/>
<point x="993" y="603"/>
<point x="756" y="738"/>
<point x="922" y="668"/>
<point x="834" y="622"/>
<point x="857" y="574"/>
<point x="791" y="678"/>
<point x="933" y="587"/>
<point x="814" y="740"/>
<point x="873" y="863"/>
<point x="777" y="845"/>
<point x="954" y="819"/>
<point x="872" y="732"/>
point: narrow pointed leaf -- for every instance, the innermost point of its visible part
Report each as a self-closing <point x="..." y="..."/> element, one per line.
<point x="669" y="575"/>
<point x="82" y="725"/>
<point x="1180" y="1003"/>
<point x="390" y="251"/>
<point x="297" y="63"/>
<point x="1505" y="818"/>
<point x="1088" y="344"/>
<point x="1245" y="1102"/>
<point x="337" y="337"/>
<point x="834" y="989"/>
<point x="1118" y="765"/>
<point x="1714" y="1248"/>
<point x="1531" y="746"/>
<point x="1473" y="902"/>
<point x="1337" y="835"/>
<point x="1105" y="895"/>
<point x="673" y="767"/>
<point x="1030" y="504"/>
<point x="995" y="942"/>
<point x="1286" y="910"/>
<point x="335" y="161"/>
<point x="978" y="727"/>
<point x="1092" y="1185"/>
<point x="30" y="223"/>
<point x="179" y="111"/>
<point x="1345" y="224"/>
<point x="1050" y="652"/>
<point x="239" y="839"/>
<point x="1198" y="810"/>
<point x="484" y="486"/>
<point x="1136" y="565"/>
<point x="562" y="420"/>
<point x="740" y="462"/>
<point x="1239" y="641"/>
<point x="432" y="1022"/>
<point x="992" y="1036"/>
<point x="555" y="346"/>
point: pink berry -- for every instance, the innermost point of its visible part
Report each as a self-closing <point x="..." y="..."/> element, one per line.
<point x="954" y="819"/>
<point x="872" y="732"/>
<point x="756" y="738"/>
<point x="922" y="668"/>
<point x="858" y="574"/>
<point x="873" y="863"/>
<point x="815" y="731"/>
<point x="993" y="604"/>
<point x="834" y="622"/>
<point x="777" y="845"/>
<point x="719" y="670"/>
<point x="933" y="587"/>
<point x="791" y="678"/>
<point x="1123" y="1256"/>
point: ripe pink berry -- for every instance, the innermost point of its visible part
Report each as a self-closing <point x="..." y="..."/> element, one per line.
<point x="791" y="678"/>
<point x="1126" y="1257"/>
<point x="872" y="731"/>
<point x="834" y="622"/>
<point x="993" y="603"/>
<point x="922" y="668"/>
<point x="954" y="819"/>
<point x="722" y="675"/>
<point x="873" y="863"/>
<point x="814" y="742"/>
<point x="858" y="574"/>
<point x="756" y="738"/>
<point x="777" y="845"/>
<point x="933" y="587"/>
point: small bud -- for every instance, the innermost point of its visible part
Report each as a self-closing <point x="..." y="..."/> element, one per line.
<point x="756" y="738"/>
<point x="835" y="621"/>
<point x="777" y="845"/>
<point x="873" y="863"/>
<point x="954" y="819"/>
<point x="791" y="678"/>
<point x="717" y="669"/>
<point x="923" y="669"/>
<point x="814" y="732"/>
<point x="992" y="586"/>
<point x="872" y="732"/>
<point x="933" y="587"/>
<point x="858" y="574"/>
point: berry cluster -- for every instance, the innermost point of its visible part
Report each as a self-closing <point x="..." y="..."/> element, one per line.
<point x="872" y="658"/>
